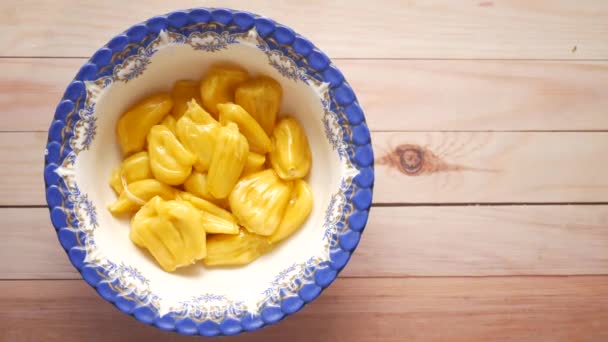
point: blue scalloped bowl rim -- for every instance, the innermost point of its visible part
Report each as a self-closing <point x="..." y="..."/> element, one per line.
<point x="100" y="64"/>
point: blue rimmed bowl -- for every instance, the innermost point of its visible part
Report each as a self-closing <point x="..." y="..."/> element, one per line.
<point x="82" y="151"/>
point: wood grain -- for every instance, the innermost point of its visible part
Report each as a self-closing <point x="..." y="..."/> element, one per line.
<point x="21" y="180"/>
<point x="429" y="81"/>
<point x="28" y="232"/>
<point x="436" y="95"/>
<point x="492" y="167"/>
<point x="483" y="241"/>
<point x="418" y="29"/>
<point x="465" y="167"/>
<point x="431" y="309"/>
<point x="30" y="89"/>
<point x="398" y="241"/>
<point x="480" y="95"/>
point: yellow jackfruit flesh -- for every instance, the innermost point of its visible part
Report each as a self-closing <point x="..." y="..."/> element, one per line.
<point x="169" y="122"/>
<point x="297" y="211"/>
<point x="214" y="219"/>
<point x="251" y="129"/>
<point x="255" y="162"/>
<point x="260" y="97"/>
<point x="219" y="84"/>
<point x="217" y="225"/>
<point x="134" y="125"/>
<point x="170" y="161"/>
<point x="290" y="156"/>
<point x="171" y="231"/>
<point x="183" y="92"/>
<point x="258" y="201"/>
<point x="235" y="250"/>
<point x="134" y="168"/>
<point x="197" y="185"/>
<point x="138" y="193"/>
<point x="197" y="114"/>
<point x="206" y="206"/>
<point x="228" y="161"/>
<point x="241" y="171"/>
<point x="199" y="140"/>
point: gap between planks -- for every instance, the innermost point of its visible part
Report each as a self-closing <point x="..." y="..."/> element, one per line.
<point x="359" y="277"/>
<point x="471" y="131"/>
<point x="410" y="131"/>
<point x="397" y="205"/>
<point x="84" y="59"/>
<point x="479" y="204"/>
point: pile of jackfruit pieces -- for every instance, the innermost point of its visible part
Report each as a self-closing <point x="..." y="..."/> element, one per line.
<point x="210" y="171"/>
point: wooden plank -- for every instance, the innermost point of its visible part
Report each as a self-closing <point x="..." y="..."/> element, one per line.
<point x="30" y="89"/>
<point x="429" y="309"/>
<point x="443" y="167"/>
<point x="398" y="241"/>
<point x="28" y="232"/>
<point x="480" y="95"/>
<point x="434" y="95"/>
<point x="483" y="241"/>
<point x="490" y="167"/>
<point x="21" y="181"/>
<point x="415" y="29"/>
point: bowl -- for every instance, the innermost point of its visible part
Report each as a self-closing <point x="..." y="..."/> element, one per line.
<point x="82" y="151"/>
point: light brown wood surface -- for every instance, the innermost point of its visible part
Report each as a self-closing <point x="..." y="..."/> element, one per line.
<point x="477" y="167"/>
<point x="514" y="29"/>
<point x="490" y="129"/>
<point x="465" y="167"/>
<point x="418" y="95"/>
<point x="416" y="241"/>
<point x="429" y="309"/>
<point x="470" y="167"/>
<point x="21" y="181"/>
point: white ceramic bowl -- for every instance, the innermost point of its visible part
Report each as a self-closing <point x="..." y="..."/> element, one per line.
<point x="82" y="151"/>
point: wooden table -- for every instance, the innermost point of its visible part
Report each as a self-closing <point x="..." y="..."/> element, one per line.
<point x="495" y="226"/>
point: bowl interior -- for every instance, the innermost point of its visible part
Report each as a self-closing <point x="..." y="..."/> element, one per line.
<point x="156" y="72"/>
